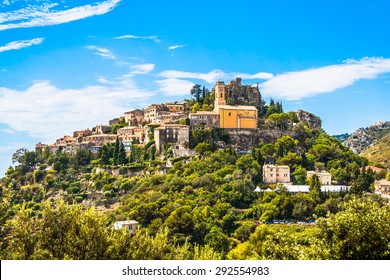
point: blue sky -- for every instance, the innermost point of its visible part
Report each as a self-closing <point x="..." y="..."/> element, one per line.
<point x="69" y="65"/>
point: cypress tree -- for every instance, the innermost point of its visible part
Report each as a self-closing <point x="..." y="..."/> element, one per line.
<point x="116" y="151"/>
<point x="122" y="155"/>
<point x="105" y="158"/>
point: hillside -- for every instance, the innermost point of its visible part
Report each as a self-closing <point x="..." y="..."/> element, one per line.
<point x="361" y="139"/>
<point x="196" y="199"/>
<point x="379" y="152"/>
<point x="342" y="137"/>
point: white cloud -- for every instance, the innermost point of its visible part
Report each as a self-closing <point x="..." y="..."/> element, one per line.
<point x="44" y="15"/>
<point x="301" y="84"/>
<point x="175" y="87"/>
<point x="176" y="47"/>
<point x="103" y="52"/>
<point x="16" y="45"/>
<point x="213" y="76"/>
<point x="153" y="38"/>
<point x="47" y="112"/>
<point x="142" y="68"/>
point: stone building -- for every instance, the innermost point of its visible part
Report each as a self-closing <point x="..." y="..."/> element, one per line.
<point x="325" y="177"/>
<point x="382" y="188"/>
<point x="226" y="116"/>
<point x="175" y="134"/>
<point x="135" y="117"/>
<point x="273" y="174"/>
<point x="176" y="107"/>
<point x="205" y="118"/>
<point x="102" y="129"/>
<point x="82" y="133"/>
<point x="233" y="116"/>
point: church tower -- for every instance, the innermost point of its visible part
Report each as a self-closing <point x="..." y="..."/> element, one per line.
<point x="220" y="90"/>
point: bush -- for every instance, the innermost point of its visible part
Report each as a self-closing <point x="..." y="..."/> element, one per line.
<point x="123" y="170"/>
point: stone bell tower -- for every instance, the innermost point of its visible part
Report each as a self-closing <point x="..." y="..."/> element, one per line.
<point x="220" y="91"/>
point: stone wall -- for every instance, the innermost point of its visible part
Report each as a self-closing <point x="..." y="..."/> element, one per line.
<point x="245" y="139"/>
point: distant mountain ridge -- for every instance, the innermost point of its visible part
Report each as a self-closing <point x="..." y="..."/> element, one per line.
<point x="362" y="138"/>
<point x="372" y="142"/>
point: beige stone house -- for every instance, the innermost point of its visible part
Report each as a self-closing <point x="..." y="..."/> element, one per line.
<point x="382" y="188"/>
<point x="273" y="174"/>
<point x="325" y="177"/>
<point x="175" y="134"/>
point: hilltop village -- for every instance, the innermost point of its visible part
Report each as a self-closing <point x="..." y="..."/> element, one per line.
<point x="233" y="110"/>
<point x="212" y="177"/>
<point x="170" y="123"/>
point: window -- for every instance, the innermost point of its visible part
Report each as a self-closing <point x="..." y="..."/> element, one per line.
<point x="221" y="95"/>
<point x="230" y="114"/>
<point x="284" y="175"/>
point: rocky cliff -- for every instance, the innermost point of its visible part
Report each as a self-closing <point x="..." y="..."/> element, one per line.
<point x="312" y="120"/>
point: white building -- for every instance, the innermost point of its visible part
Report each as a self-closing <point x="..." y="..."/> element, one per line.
<point x="131" y="225"/>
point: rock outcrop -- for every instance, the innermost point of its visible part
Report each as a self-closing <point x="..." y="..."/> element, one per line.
<point x="312" y="120"/>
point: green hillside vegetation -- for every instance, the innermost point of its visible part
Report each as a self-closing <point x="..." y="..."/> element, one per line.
<point x="379" y="152"/>
<point x="203" y="207"/>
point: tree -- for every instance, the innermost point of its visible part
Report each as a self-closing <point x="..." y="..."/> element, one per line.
<point x="299" y="176"/>
<point x="122" y="155"/>
<point x="202" y="148"/>
<point x="363" y="181"/>
<point x="116" y="151"/>
<point x="196" y="92"/>
<point x="388" y="176"/>
<point x="360" y="232"/>
<point x="82" y="157"/>
<point x="217" y="240"/>
<point x="315" y="187"/>
<point x="105" y="158"/>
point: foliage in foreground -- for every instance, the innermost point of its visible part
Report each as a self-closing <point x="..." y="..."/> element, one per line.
<point x="359" y="231"/>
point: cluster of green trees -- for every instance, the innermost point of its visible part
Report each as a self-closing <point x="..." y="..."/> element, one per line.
<point x="358" y="231"/>
<point x="202" y="99"/>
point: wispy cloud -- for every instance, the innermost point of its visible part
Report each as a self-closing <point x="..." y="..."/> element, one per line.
<point x="176" y="47"/>
<point x="213" y="75"/>
<point x="12" y="147"/>
<point x="103" y="52"/>
<point x="8" y="131"/>
<point x="16" y="45"/>
<point x="301" y="84"/>
<point x="153" y="38"/>
<point x="45" y="14"/>
<point x="52" y="112"/>
<point x="175" y="87"/>
<point x="142" y="68"/>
